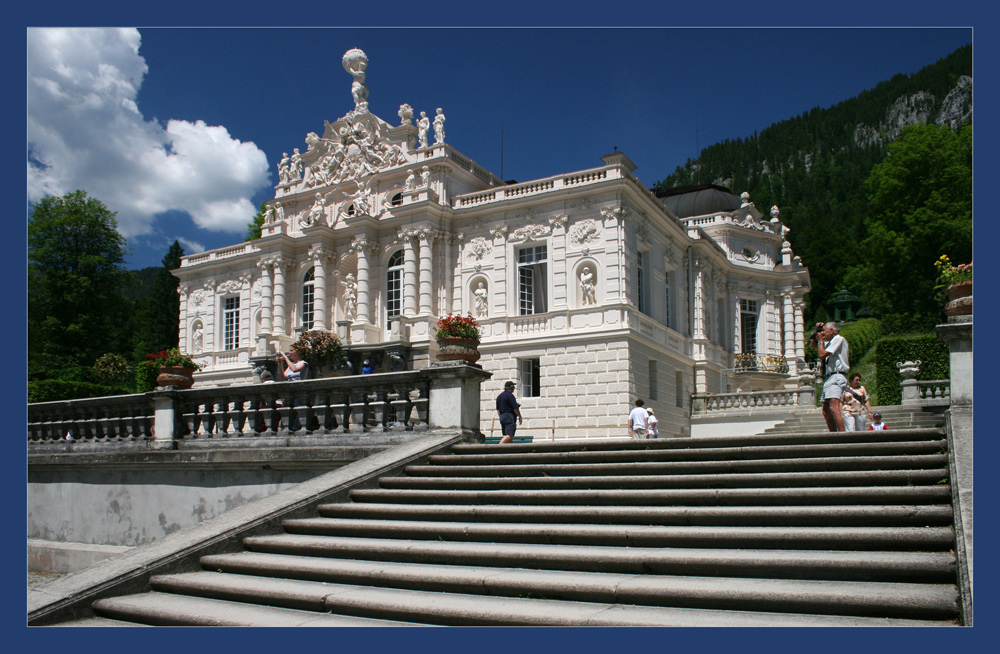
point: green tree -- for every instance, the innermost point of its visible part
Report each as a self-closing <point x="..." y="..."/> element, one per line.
<point x="920" y="203"/>
<point x="255" y="225"/>
<point x="75" y="282"/>
<point x="157" y="325"/>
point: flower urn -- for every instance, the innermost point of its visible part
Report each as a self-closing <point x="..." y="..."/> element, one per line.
<point x="960" y="299"/>
<point x="456" y="348"/>
<point x="175" y="376"/>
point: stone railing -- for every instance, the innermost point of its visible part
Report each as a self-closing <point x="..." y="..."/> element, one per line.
<point x="932" y="392"/>
<point x="442" y="396"/>
<point x="752" y="362"/>
<point x="703" y="404"/>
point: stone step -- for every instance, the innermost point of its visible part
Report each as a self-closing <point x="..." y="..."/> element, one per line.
<point x="910" y="567"/>
<point x="938" y="494"/>
<point x="833" y="515"/>
<point x="168" y="609"/>
<point x="930" y="539"/>
<point x="824" y="464"/>
<point x="456" y="608"/>
<point x="630" y="445"/>
<point x="902" y="476"/>
<point x="746" y="452"/>
<point x="925" y="601"/>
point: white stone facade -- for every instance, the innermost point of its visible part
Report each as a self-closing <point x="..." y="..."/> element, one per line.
<point x="590" y="291"/>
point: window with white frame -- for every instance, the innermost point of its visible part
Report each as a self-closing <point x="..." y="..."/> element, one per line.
<point x="748" y="326"/>
<point x="531" y="280"/>
<point x="394" y="286"/>
<point x="531" y="373"/>
<point x="231" y="323"/>
<point x="308" y="298"/>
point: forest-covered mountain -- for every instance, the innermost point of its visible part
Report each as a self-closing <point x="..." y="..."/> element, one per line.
<point x="813" y="166"/>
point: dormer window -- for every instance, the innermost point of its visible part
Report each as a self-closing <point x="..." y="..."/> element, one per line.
<point x="396" y="200"/>
<point x="750" y="255"/>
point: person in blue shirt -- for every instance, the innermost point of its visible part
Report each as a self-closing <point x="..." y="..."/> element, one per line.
<point x="509" y="409"/>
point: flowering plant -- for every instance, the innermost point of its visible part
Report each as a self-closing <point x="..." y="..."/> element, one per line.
<point x="173" y="358"/>
<point x="112" y="370"/>
<point x="455" y="326"/>
<point x="319" y="348"/>
<point x="949" y="275"/>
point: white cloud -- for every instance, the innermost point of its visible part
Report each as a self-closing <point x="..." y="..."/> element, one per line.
<point x="85" y="132"/>
<point x="191" y="247"/>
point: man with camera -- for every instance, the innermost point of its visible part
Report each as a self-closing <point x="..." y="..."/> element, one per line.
<point x="833" y="353"/>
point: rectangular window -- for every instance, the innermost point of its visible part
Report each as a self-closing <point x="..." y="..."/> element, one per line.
<point x="531" y="280"/>
<point x="308" y="305"/>
<point x="393" y="294"/>
<point x="748" y="326"/>
<point x="679" y="383"/>
<point x="530" y="377"/>
<point x="652" y="380"/>
<point x="231" y="323"/>
<point x="640" y="283"/>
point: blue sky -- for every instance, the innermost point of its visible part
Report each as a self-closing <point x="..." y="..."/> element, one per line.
<point x="180" y="130"/>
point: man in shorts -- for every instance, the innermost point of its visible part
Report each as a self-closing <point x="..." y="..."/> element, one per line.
<point x="833" y="353"/>
<point x="638" y="421"/>
<point x="510" y="412"/>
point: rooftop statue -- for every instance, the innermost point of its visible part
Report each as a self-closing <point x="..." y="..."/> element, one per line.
<point x="355" y="63"/>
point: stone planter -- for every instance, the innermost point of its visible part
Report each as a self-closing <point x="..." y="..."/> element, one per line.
<point x="458" y="349"/>
<point x="175" y="376"/>
<point x="960" y="296"/>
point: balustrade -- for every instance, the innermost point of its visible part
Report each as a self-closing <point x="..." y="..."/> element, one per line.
<point x="384" y="402"/>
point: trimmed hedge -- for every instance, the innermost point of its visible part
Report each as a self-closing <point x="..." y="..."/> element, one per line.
<point x="861" y="336"/>
<point x="927" y="348"/>
<point x="145" y="376"/>
<point x="51" y="390"/>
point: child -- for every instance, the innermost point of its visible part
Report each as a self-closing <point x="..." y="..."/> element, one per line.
<point x="877" y="424"/>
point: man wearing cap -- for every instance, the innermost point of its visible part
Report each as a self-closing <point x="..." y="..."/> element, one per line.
<point x="509" y="409"/>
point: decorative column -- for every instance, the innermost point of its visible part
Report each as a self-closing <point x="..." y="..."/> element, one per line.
<point x="426" y="244"/>
<point x="699" y="299"/>
<point x="360" y="247"/>
<point x="279" y="295"/>
<point x="800" y="332"/>
<point x="409" y="275"/>
<point x="266" y="296"/>
<point x="788" y="319"/>
<point x="318" y="256"/>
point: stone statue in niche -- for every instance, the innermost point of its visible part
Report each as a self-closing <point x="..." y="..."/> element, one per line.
<point x="350" y="297"/>
<point x="411" y="181"/>
<point x="439" y="126"/>
<point x="587" y="286"/>
<point x="422" y="126"/>
<point x="315" y="214"/>
<point x="283" y="169"/>
<point x="198" y="339"/>
<point x="355" y="62"/>
<point x="482" y="301"/>
<point x="425" y="177"/>
<point x="405" y="114"/>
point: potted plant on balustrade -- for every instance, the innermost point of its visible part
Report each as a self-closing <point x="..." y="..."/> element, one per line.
<point x="175" y="368"/>
<point x="955" y="285"/>
<point x="458" y="338"/>
<point x="321" y="349"/>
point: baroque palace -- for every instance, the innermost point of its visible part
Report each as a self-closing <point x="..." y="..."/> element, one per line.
<point x="591" y="290"/>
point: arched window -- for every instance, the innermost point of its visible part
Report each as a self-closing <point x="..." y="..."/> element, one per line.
<point x="308" y="298"/>
<point x="396" y="200"/>
<point x="394" y="286"/>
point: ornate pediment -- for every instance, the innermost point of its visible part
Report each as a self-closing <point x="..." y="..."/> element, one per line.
<point x="354" y="146"/>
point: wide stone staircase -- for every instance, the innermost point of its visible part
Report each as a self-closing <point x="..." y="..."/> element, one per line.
<point x="894" y="416"/>
<point x="798" y="529"/>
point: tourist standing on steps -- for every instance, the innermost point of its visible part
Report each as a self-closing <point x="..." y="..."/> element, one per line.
<point x="856" y="404"/>
<point x="509" y="410"/>
<point x="652" y="431"/>
<point x="833" y="353"/>
<point x="638" y="421"/>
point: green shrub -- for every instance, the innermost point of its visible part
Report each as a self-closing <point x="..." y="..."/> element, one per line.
<point x="145" y="376"/>
<point x="861" y="336"/>
<point x="927" y="348"/>
<point x="51" y="390"/>
<point x="112" y="370"/>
